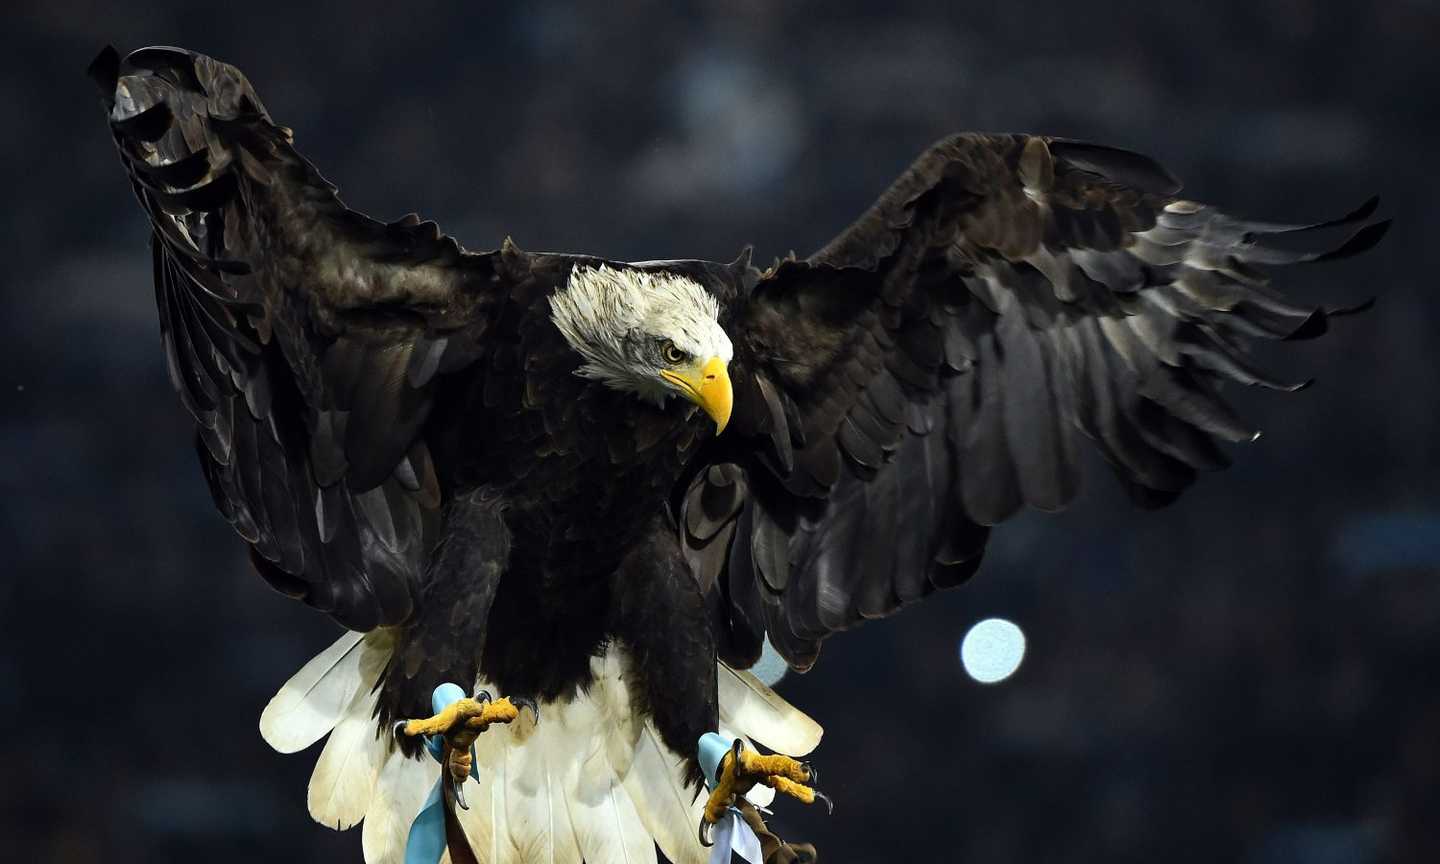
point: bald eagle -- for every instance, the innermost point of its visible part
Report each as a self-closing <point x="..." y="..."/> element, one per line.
<point x="597" y="487"/>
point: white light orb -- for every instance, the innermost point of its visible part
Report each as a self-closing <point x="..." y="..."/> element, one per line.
<point x="992" y="650"/>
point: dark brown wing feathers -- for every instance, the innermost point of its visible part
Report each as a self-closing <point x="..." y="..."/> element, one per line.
<point x="304" y="338"/>
<point x="924" y="376"/>
<point x="943" y="357"/>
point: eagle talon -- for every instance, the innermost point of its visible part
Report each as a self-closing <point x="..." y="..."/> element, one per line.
<point x="458" y="787"/>
<point x="522" y="703"/>
<point x="829" y="804"/>
<point x="481" y="696"/>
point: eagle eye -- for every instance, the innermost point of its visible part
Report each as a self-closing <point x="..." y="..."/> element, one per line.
<point x="671" y="353"/>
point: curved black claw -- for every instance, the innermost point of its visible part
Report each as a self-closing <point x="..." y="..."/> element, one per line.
<point x="482" y="696"/>
<point x="829" y="805"/>
<point x="458" y="788"/>
<point x="812" y="771"/>
<point x="398" y="730"/>
<point x="521" y="703"/>
<point x="707" y="838"/>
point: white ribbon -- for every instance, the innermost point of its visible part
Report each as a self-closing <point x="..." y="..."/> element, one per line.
<point x="733" y="834"/>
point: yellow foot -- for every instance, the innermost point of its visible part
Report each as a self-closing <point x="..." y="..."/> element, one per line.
<point x="467" y="718"/>
<point x="460" y="724"/>
<point x="742" y="768"/>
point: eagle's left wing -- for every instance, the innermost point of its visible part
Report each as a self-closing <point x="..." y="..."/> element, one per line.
<point x="935" y="366"/>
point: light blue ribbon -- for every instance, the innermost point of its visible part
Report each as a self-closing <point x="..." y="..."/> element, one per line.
<point x="732" y="832"/>
<point x="426" y="842"/>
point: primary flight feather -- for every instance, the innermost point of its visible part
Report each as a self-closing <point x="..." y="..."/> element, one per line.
<point x="593" y="486"/>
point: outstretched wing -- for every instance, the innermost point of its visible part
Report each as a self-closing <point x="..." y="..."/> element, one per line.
<point x="935" y="366"/>
<point x="305" y="339"/>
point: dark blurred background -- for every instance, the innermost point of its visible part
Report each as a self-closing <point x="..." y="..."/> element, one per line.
<point x="1248" y="676"/>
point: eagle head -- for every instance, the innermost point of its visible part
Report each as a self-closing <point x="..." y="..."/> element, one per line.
<point x="649" y="332"/>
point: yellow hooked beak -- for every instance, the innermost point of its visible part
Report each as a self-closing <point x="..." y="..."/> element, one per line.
<point x="707" y="385"/>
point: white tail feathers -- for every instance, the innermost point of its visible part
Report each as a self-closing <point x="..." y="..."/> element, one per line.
<point x="344" y="778"/>
<point x="750" y="708"/>
<point x="310" y="703"/>
<point x="399" y="791"/>
<point x="591" y="782"/>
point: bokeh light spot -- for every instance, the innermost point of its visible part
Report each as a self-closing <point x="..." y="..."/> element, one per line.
<point x="992" y="650"/>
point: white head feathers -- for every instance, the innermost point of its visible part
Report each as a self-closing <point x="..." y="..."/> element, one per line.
<point x="622" y="320"/>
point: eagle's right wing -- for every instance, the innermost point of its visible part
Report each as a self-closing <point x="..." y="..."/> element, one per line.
<point x="305" y="339"/>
